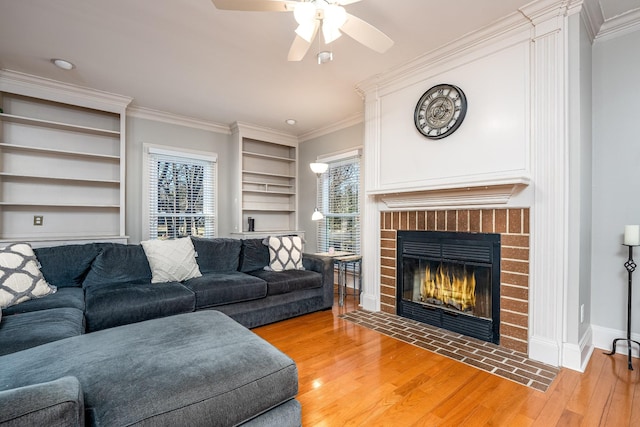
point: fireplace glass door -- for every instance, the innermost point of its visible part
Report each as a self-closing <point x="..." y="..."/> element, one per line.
<point x="458" y="286"/>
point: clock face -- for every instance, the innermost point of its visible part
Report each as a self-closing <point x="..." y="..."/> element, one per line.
<point x="440" y="111"/>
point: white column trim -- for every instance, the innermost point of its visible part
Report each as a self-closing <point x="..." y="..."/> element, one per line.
<point x="371" y="213"/>
<point x="549" y="219"/>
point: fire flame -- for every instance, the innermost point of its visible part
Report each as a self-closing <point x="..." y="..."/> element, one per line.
<point x="449" y="284"/>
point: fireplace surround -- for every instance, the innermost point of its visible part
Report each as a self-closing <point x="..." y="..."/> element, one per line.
<point x="512" y="224"/>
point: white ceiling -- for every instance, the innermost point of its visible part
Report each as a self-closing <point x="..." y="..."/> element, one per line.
<point x="186" y="57"/>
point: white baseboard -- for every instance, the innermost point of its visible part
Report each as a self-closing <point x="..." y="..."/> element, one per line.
<point x="603" y="339"/>
<point x="544" y="350"/>
<point x="576" y="356"/>
<point x="369" y="302"/>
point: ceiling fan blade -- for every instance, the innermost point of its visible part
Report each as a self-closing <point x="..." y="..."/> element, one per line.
<point x="299" y="49"/>
<point x="366" y="34"/>
<point x="255" y="5"/>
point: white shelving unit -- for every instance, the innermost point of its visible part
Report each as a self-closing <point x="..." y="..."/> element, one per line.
<point x="62" y="159"/>
<point x="267" y="177"/>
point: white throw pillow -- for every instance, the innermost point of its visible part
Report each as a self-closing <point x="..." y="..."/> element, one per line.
<point x="171" y="260"/>
<point x="20" y="276"/>
<point x="285" y="253"/>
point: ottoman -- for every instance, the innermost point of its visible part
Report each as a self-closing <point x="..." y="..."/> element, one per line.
<point x="192" y="369"/>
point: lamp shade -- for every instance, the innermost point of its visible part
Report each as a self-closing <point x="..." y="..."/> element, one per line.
<point x="319" y="168"/>
<point x="317" y="215"/>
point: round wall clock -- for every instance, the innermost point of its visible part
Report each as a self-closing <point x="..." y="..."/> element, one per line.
<point x="440" y="111"/>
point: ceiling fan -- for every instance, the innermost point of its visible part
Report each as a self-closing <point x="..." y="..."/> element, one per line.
<point x="310" y="15"/>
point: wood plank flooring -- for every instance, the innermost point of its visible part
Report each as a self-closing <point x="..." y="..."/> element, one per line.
<point x="353" y="376"/>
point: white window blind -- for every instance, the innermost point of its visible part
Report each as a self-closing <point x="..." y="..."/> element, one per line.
<point x="181" y="194"/>
<point x="339" y="202"/>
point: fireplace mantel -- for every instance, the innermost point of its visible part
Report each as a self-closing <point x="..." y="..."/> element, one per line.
<point x="489" y="193"/>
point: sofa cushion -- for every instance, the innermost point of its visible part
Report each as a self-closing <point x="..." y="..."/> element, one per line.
<point x="66" y="265"/>
<point x="225" y="288"/>
<point x="20" y="276"/>
<point x="282" y="282"/>
<point x="171" y="260"/>
<point x="285" y="253"/>
<point x="122" y="303"/>
<point x="217" y="255"/>
<point x="26" y="330"/>
<point x="254" y="255"/>
<point x="55" y="403"/>
<point x="192" y="369"/>
<point x="119" y="263"/>
<point x="64" y="297"/>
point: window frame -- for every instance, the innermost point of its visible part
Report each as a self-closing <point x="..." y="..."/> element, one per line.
<point x="323" y="198"/>
<point x="150" y="150"/>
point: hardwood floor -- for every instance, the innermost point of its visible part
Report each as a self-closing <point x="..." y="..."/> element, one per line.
<point x="353" y="376"/>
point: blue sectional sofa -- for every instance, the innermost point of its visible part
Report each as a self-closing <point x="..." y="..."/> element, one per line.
<point x="112" y="348"/>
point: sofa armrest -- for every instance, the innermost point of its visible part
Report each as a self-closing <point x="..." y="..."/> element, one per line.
<point x="55" y="403"/>
<point x="324" y="266"/>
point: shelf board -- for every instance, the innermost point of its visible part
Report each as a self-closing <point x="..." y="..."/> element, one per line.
<point x="59" y="205"/>
<point x="267" y="183"/>
<point x="256" y="209"/>
<point x="57" y="125"/>
<point x="54" y="178"/>
<point x="62" y="237"/>
<point x="268" y="174"/>
<point x="279" y="193"/>
<point x="267" y="156"/>
<point x="14" y="147"/>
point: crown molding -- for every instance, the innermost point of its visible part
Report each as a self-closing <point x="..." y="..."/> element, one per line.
<point x="247" y="130"/>
<point x="619" y="25"/>
<point x="53" y="90"/>
<point x="334" y="127"/>
<point x="592" y="16"/>
<point x="175" y="119"/>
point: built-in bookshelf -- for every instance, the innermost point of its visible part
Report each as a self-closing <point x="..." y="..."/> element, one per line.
<point x="62" y="161"/>
<point x="267" y="192"/>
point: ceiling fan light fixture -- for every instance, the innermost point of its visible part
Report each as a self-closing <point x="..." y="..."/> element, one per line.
<point x="304" y="13"/>
<point x="306" y="31"/>
<point x="334" y="17"/>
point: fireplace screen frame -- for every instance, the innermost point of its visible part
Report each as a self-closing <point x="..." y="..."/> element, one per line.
<point x="458" y="248"/>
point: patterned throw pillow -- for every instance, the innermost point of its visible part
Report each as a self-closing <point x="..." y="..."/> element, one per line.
<point x="20" y="276"/>
<point x="171" y="260"/>
<point x="285" y="253"/>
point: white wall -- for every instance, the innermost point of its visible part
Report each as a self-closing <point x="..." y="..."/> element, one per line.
<point x="493" y="139"/>
<point x="141" y="131"/>
<point x="616" y="177"/>
<point x="308" y="152"/>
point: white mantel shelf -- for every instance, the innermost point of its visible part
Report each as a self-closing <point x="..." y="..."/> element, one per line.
<point x="489" y="193"/>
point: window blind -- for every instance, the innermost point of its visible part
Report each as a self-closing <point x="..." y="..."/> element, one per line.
<point x="181" y="195"/>
<point x="339" y="202"/>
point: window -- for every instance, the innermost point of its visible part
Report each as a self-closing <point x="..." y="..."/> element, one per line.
<point x="339" y="202"/>
<point x="181" y="193"/>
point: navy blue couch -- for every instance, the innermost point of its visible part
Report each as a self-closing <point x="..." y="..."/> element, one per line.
<point x="105" y="288"/>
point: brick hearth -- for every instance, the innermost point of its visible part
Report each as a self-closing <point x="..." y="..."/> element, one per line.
<point x="511" y="224"/>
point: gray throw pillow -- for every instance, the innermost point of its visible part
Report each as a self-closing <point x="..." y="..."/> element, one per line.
<point x="285" y="253"/>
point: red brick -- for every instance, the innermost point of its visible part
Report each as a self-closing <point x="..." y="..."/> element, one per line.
<point x="515" y="292"/>
<point x="515" y="221"/>
<point x="500" y="221"/>
<point x="515" y="240"/>
<point x="451" y="221"/>
<point x="463" y="220"/>
<point x="474" y="221"/>
<point x="514" y="279"/>
<point x="422" y="220"/>
<point x="487" y="221"/>
<point x="431" y="220"/>
<point x="515" y="253"/>
<point x="515" y="266"/>
<point x="441" y="221"/>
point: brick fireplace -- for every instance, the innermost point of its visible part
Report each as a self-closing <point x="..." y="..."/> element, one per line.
<point x="513" y="226"/>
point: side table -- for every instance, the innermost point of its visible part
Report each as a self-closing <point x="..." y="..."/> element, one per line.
<point x="344" y="262"/>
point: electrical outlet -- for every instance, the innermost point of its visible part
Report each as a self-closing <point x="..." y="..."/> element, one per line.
<point x="38" y="219"/>
<point x="581" y="313"/>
